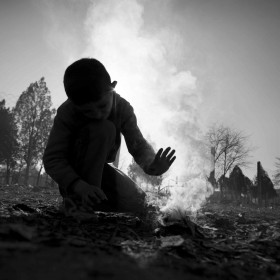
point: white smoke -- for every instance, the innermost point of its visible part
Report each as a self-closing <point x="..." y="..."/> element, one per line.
<point x="166" y="100"/>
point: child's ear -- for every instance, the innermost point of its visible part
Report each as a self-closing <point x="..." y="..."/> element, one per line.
<point x="114" y="84"/>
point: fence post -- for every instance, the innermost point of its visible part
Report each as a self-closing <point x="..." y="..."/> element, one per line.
<point x="259" y="183"/>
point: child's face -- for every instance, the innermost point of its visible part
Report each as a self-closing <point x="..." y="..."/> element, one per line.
<point x="98" y="110"/>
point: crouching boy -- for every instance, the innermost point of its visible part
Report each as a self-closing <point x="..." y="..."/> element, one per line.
<point x="86" y="137"/>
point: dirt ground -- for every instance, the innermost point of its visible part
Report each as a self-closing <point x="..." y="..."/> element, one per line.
<point x="38" y="242"/>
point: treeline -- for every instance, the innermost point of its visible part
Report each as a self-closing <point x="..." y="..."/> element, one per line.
<point x="24" y="131"/>
<point x="229" y="148"/>
<point x="239" y="188"/>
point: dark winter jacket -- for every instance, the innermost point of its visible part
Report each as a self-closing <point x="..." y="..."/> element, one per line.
<point x="66" y="124"/>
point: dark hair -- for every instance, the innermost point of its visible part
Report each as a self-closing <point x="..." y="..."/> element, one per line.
<point x="85" y="80"/>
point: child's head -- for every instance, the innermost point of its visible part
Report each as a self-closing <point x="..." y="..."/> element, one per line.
<point x="88" y="85"/>
<point x="86" y="80"/>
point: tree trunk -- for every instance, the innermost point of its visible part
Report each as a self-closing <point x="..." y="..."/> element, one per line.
<point x="8" y="173"/>
<point x="46" y="181"/>
<point x="19" y="173"/>
<point x="39" y="173"/>
<point x="52" y="183"/>
<point x="28" y="163"/>
<point x="225" y="162"/>
<point x="26" y="176"/>
<point x="259" y="184"/>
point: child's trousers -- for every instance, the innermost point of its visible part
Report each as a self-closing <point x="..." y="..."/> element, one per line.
<point x="91" y="149"/>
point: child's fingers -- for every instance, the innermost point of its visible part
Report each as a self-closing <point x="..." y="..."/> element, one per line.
<point x="93" y="197"/>
<point x="98" y="194"/>
<point x="171" y="154"/>
<point x="172" y="160"/>
<point x="114" y="84"/>
<point x="166" y="151"/>
<point x="158" y="155"/>
<point x="89" y="201"/>
<point x="101" y="194"/>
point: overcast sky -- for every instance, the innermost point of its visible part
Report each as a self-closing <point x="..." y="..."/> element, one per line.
<point x="224" y="54"/>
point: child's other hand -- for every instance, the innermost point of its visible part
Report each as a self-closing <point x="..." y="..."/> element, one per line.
<point x="162" y="162"/>
<point x="89" y="194"/>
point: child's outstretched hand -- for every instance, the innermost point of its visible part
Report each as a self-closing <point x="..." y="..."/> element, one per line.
<point x="162" y="162"/>
<point x="89" y="194"/>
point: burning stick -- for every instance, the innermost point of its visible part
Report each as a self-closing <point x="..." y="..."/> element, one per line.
<point x="177" y="223"/>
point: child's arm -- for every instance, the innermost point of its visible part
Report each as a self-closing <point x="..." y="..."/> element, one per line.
<point x="138" y="147"/>
<point x="141" y="150"/>
<point x="56" y="156"/>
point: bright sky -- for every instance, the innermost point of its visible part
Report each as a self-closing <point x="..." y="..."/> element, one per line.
<point x="194" y="61"/>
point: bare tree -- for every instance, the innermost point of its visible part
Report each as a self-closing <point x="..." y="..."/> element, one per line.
<point x="230" y="148"/>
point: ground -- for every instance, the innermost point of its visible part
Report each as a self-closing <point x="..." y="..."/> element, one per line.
<point x="38" y="242"/>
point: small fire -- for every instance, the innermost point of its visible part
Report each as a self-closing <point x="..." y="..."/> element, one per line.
<point x="187" y="199"/>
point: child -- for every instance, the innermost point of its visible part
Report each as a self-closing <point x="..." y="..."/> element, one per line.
<point x="86" y="136"/>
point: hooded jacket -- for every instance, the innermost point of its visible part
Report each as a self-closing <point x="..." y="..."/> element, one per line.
<point x="66" y="124"/>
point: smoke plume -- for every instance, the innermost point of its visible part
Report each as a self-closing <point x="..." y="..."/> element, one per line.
<point x="166" y="99"/>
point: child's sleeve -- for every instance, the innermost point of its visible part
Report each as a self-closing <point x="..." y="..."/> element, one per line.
<point x="142" y="152"/>
<point x="56" y="156"/>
